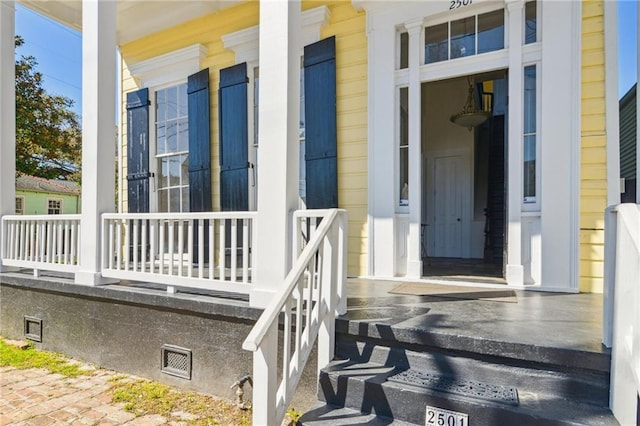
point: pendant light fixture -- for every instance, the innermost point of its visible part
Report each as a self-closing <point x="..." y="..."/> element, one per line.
<point x="470" y="116"/>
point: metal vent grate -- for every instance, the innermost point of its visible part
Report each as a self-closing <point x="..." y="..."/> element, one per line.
<point x="33" y="328"/>
<point x="494" y="393"/>
<point x="176" y="361"/>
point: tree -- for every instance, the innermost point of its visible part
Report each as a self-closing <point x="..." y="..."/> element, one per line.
<point x="48" y="133"/>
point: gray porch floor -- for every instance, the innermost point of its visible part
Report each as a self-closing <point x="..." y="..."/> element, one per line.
<point x="531" y="318"/>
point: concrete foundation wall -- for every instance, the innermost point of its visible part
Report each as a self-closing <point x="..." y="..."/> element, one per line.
<point x="123" y="330"/>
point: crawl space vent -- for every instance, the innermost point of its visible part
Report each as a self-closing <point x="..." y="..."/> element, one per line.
<point x="33" y="328"/>
<point x="176" y="361"/>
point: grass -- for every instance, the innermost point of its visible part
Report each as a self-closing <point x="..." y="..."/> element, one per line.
<point x="29" y="357"/>
<point x="143" y="397"/>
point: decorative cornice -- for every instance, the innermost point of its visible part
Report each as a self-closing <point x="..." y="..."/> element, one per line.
<point x="245" y="43"/>
<point x="172" y="66"/>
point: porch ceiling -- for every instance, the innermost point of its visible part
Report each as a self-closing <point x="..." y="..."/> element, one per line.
<point x="135" y="18"/>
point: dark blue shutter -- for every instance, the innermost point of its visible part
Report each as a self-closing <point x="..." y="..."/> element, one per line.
<point x="138" y="151"/>
<point x="234" y="174"/>
<point x="199" y="142"/>
<point x="320" y="124"/>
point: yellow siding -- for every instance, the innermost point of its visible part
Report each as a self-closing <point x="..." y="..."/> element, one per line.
<point x="348" y="26"/>
<point x="593" y="175"/>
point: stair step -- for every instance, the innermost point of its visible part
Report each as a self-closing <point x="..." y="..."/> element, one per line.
<point x="370" y="388"/>
<point x="328" y="415"/>
<point x="455" y="371"/>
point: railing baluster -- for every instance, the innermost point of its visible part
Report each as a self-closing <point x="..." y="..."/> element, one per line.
<point x="119" y="242"/>
<point x="74" y="245"/>
<point x="222" y="249"/>
<point x="201" y="247"/>
<point x="143" y="246"/>
<point x="161" y="248"/>
<point x="135" y="247"/>
<point x="49" y="248"/>
<point x="127" y="242"/>
<point x="59" y="238"/>
<point x="110" y="247"/>
<point x="286" y="353"/>
<point x="212" y="247"/>
<point x="245" y="250"/>
<point x="66" y="241"/>
<point x="171" y="237"/>
<point x="190" y="253"/>
<point x="21" y="249"/>
<point x="180" y="247"/>
<point x="153" y="229"/>
<point x="234" y="249"/>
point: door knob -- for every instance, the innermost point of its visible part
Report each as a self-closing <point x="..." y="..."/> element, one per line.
<point x="458" y="219"/>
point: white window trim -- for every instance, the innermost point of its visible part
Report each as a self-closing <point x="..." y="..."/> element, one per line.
<point x="168" y="68"/>
<point x="245" y="43"/>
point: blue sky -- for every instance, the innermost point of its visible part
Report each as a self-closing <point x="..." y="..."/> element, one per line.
<point x="58" y="50"/>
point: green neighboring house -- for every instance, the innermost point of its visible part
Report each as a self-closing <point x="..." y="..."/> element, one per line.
<point x="35" y="195"/>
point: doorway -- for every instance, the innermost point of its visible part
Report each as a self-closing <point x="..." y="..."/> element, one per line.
<point x="463" y="184"/>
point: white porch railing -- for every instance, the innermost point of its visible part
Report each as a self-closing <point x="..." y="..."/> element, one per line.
<point x="622" y="308"/>
<point x="196" y="250"/>
<point x="41" y="242"/>
<point x="305" y="307"/>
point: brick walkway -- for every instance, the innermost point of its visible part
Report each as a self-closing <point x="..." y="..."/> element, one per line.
<point x="37" y="397"/>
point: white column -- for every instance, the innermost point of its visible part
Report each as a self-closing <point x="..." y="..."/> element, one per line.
<point x="279" y="122"/>
<point x="514" y="269"/>
<point x="98" y="131"/>
<point x="638" y="113"/>
<point x="7" y="114"/>
<point x="612" y="123"/>
<point x="414" y="260"/>
<point x="381" y="177"/>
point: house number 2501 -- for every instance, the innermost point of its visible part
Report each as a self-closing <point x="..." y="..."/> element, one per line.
<point x="459" y="3"/>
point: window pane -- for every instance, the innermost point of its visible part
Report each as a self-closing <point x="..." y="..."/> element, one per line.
<point x="161" y="107"/>
<point x="174" y="200"/>
<point x="185" y="199"/>
<point x="436" y="43"/>
<point x="463" y="37"/>
<point x="182" y="100"/>
<point x="174" y="171"/>
<point x="172" y="136"/>
<point x="404" y="147"/>
<point x="256" y="86"/>
<point x="163" y="178"/>
<point x="302" y="110"/>
<point x="404" y="50"/>
<point x="530" y="22"/>
<point x="160" y="138"/>
<point x="183" y="135"/>
<point x="529" y="168"/>
<point x="172" y="102"/>
<point x="163" y="205"/>
<point x="491" y="31"/>
<point x="184" y="169"/>
<point x="530" y="99"/>
<point x="302" y="179"/>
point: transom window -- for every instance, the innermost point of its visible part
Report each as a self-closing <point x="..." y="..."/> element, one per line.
<point x="465" y="37"/>
<point x="54" y="206"/>
<point x="172" y="149"/>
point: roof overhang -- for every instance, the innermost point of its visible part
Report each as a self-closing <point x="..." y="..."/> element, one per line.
<point x="135" y="18"/>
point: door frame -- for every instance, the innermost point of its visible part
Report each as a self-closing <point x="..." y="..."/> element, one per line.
<point x="467" y="200"/>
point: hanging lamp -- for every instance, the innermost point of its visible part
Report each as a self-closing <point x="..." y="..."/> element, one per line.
<point x="470" y="116"/>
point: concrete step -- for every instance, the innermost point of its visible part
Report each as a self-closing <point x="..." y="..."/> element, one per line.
<point x="373" y="388"/>
<point x="540" y="378"/>
<point x="327" y="415"/>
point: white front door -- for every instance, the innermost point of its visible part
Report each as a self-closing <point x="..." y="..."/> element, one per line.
<point x="451" y="185"/>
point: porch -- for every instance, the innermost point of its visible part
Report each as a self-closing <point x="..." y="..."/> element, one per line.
<point x="123" y="325"/>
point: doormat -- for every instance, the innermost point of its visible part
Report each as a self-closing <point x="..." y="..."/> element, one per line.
<point x="456" y="292"/>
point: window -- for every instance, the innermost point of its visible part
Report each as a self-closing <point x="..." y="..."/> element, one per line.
<point x="19" y="205"/>
<point x="530" y="22"/>
<point x="529" y="151"/>
<point x="465" y="37"/>
<point x="404" y="147"/>
<point x="404" y="50"/>
<point x="172" y="149"/>
<point x="54" y="206"/>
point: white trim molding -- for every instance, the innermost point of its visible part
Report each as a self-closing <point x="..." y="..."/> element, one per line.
<point x="169" y="67"/>
<point x="245" y="43"/>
